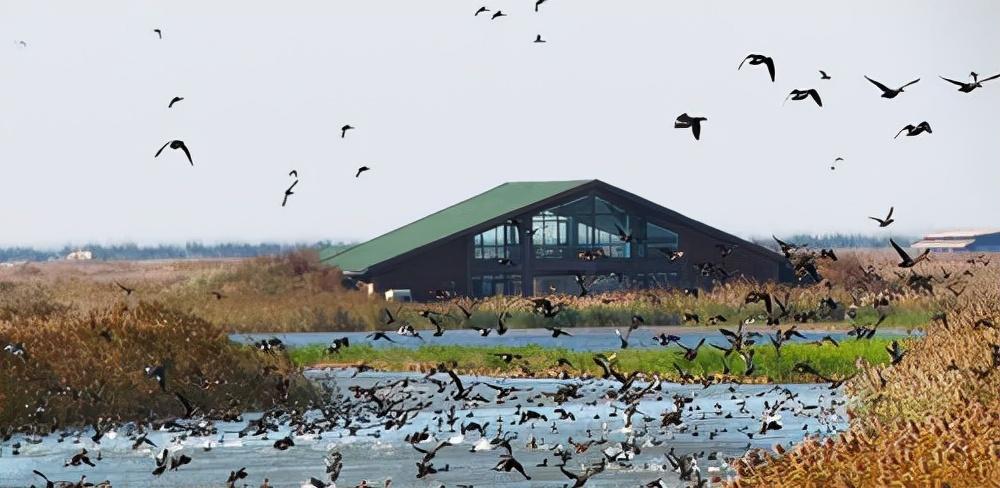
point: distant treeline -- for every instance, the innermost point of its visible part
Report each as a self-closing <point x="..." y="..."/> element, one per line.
<point x="835" y="240"/>
<point x="134" y="252"/>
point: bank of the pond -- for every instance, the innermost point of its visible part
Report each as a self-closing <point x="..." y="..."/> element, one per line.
<point x="831" y="361"/>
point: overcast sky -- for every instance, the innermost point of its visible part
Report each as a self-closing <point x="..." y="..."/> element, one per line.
<point x="447" y="105"/>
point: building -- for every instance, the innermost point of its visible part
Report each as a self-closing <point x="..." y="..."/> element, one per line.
<point x="527" y="238"/>
<point x="80" y="256"/>
<point x="985" y="240"/>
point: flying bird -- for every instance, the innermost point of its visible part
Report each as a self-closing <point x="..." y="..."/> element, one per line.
<point x="804" y="94"/>
<point x="176" y="144"/>
<point x="538" y="38"/>
<point x="159" y="33"/>
<point x="886" y="221"/>
<point x="498" y="13"/>
<point x="908" y="262"/>
<point x="889" y="92"/>
<point x="823" y="75"/>
<point x="756" y="59"/>
<point x="537" y="3"/>
<point x="915" y="130"/>
<point x="685" y="121"/>
<point x="481" y="10"/>
<point x="361" y="170"/>
<point x="835" y="161"/>
<point x="289" y="192"/>
<point x="21" y="43"/>
<point x="293" y="173"/>
<point x="976" y="82"/>
<point x="344" y="129"/>
<point x="175" y="100"/>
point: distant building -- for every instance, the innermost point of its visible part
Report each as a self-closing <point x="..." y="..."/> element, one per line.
<point x="79" y="256"/>
<point x="987" y="240"/>
<point x="529" y="238"/>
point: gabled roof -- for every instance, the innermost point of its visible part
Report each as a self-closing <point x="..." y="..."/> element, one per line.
<point x="497" y="202"/>
<point x="962" y="234"/>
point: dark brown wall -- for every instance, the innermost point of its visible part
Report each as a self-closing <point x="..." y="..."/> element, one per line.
<point x="431" y="270"/>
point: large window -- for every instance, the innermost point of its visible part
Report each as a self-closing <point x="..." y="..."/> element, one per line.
<point x="499" y="242"/>
<point x="550" y="235"/>
<point x="498" y="284"/>
<point x="659" y="239"/>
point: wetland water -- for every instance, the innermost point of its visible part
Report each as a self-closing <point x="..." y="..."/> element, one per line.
<point x="812" y="412"/>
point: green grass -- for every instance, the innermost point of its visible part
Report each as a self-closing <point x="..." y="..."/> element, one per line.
<point x="834" y="362"/>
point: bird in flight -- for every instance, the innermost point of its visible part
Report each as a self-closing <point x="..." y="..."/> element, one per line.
<point x="159" y="33"/>
<point x="685" y="121"/>
<point x="173" y="101"/>
<point x="344" y="129"/>
<point x="804" y="94"/>
<point x="756" y="59"/>
<point x="481" y="10"/>
<point x="976" y="82"/>
<point x="823" y="75"/>
<point x="889" y="92"/>
<point x="21" y="43"/>
<point x="498" y="13"/>
<point x="176" y="144"/>
<point x="538" y="38"/>
<point x="915" y="130"/>
<point x="537" y="3"/>
<point x="835" y="161"/>
<point x="289" y="192"/>
<point x="293" y="173"/>
<point x="362" y="170"/>
<point x="908" y="262"/>
<point x="886" y="221"/>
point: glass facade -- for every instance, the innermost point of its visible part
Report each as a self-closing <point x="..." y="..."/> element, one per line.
<point x="496" y="284"/>
<point x="500" y="242"/>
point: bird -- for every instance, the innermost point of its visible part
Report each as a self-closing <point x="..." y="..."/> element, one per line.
<point x="685" y="121"/>
<point x="128" y="291"/>
<point x="804" y="94"/>
<point x="908" y="262"/>
<point x="159" y="33"/>
<point x="293" y="173"/>
<point x="481" y="10"/>
<point x="538" y="38"/>
<point x="889" y="92"/>
<point x="756" y="59"/>
<point x="915" y="130"/>
<point x="173" y="101"/>
<point x="976" y="82"/>
<point x="537" y="3"/>
<point x="886" y="221"/>
<point x="361" y="170"/>
<point x="835" y="161"/>
<point x="344" y="129"/>
<point x="823" y="75"/>
<point x="176" y="144"/>
<point x="289" y="192"/>
<point x="498" y="13"/>
<point x="21" y="43"/>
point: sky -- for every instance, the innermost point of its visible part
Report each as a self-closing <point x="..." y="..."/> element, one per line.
<point x="448" y="105"/>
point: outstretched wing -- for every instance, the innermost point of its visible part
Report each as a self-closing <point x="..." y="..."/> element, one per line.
<point x="770" y="67"/>
<point x="891" y="209"/>
<point x="990" y="78"/>
<point x="187" y="153"/>
<point x="910" y="83"/>
<point x="161" y="149"/>
<point x="879" y="85"/>
<point x="815" y="95"/>
<point x="900" y="251"/>
<point x="959" y="83"/>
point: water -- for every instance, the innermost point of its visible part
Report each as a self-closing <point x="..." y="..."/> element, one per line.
<point x="584" y="338"/>
<point x="388" y="456"/>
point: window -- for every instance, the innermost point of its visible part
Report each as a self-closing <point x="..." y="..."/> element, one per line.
<point x="586" y="223"/>
<point x="500" y="242"/>
<point x="500" y="284"/>
<point x="658" y="238"/>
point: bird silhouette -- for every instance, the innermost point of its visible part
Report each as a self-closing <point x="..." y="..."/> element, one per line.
<point x="176" y="144"/>
<point x="481" y="10"/>
<point x="498" y="13"/>
<point x="915" y="130"/>
<point x="361" y="170"/>
<point x="159" y="33"/>
<point x="908" y="262"/>
<point x="886" y="221"/>
<point x="975" y="83"/>
<point x="173" y="101"/>
<point x="538" y="38"/>
<point x="890" y="92"/>
<point x="289" y="192"/>
<point x="756" y="59"/>
<point x="344" y="129"/>
<point x="823" y="75"/>
<point x="537" y="3"/>
<point x="835" y="161"/>
<point x="293" y="173"/>
<point x="685" y="121"/>
<point x="804" y="94"/>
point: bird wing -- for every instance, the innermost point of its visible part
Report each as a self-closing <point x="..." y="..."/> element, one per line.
<point x="161" y="149"/>
<point x="910" y="83"/>
<point x="187" y="153"/>
<point x="696" y="130"/>
<point x="770" y="67"/>
<point x="990" y="78"/>
<point x="891" y="209"/>
<point x="815" y="95"/>
<point x="744" y="60"/>
<point x="907" y="127"/>
<point x="289" y="190"/>
<point x="900" y="251"/>
<point x="959" y="83"/>
<point x="879" y="85"/>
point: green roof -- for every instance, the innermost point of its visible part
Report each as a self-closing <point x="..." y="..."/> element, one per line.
<point x="502" y="200"/>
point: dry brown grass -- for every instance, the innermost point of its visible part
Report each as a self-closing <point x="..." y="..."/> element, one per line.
<point x="931" y="420"/>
